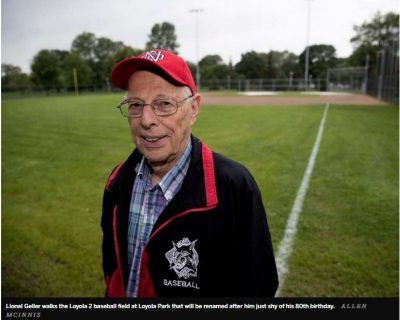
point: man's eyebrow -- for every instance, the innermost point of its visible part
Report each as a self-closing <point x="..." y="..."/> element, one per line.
<point x="161" y="95"/>
<point x="133" y="98"/>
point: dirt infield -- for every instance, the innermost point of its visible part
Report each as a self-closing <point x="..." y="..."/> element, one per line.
<point x="346" y="99"/>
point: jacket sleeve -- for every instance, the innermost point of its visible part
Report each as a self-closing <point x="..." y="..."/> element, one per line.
<point x="108" y="248"/>
<point x="257" y="267"/>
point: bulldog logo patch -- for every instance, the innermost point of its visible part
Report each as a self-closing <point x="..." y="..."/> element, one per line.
<point x="183" y="258"/>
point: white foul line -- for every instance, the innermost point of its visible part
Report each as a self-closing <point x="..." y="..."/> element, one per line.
<point x="286" y="245"/>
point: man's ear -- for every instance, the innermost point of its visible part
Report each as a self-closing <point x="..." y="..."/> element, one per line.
<point x="195" y="105"/>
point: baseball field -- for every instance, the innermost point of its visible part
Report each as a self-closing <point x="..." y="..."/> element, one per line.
<point x="58" y="151"/>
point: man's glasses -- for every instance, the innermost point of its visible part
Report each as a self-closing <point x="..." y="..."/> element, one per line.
<point x="133" y="108"/>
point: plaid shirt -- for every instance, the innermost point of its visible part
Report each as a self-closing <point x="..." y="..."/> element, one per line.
<point x="147" y="203"/>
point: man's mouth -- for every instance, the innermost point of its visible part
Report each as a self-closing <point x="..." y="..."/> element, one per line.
<point x="153" y="139"/>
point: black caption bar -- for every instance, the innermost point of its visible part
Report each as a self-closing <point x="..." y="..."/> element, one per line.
<point x="257" y="308"/>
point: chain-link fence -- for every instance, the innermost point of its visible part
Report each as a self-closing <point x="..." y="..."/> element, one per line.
<point x="264" y="84"/>
<point x="352" y="79"/>
<point x="385" y="85"/>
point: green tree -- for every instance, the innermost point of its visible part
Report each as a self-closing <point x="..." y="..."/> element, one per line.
<point x="383" y="30"/>
<point x="84" y="72"/>
<point x="12" y="78"/>
<point x="212" y="67"/>
<point x="192" y="67"/>
<point x="104" y="50"/>
<point x="163" y="36"/>
<point x="84" y="45"/>
<point x="371" y="37"/>
<point x="281" y="63"/>
<point x="215" y="72"/>
<point x="125" y="52"/>
<point x="359" y="56"/>
<point x="47" y="68"/>
<point x="100" y="55"/>
<point x="321" y="58"/>
<point x="253" y="65"/>
<point x="291" y="64"/>
<point x="210" y="60"/>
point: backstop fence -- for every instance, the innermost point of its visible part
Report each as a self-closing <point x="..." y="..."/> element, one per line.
<point x="385" y="85"/>
<point x="352" y="79"/>
<point x="264" y="84"/>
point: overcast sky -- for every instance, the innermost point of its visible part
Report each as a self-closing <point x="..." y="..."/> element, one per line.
<point x="226" y="27"/>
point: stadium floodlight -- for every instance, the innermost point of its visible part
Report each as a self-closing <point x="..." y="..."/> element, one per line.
<point x="197" y="11"/>
<point x="307" y="45"/>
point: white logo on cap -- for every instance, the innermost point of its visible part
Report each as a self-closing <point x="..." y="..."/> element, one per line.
<point x="154" y="56"/>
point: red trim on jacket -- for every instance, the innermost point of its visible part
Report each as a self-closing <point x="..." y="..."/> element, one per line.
<point x="112" y="176"/>
<point x="209" y="176"/>
<point x="146" y="288"/>
<point x="115" y="285"/>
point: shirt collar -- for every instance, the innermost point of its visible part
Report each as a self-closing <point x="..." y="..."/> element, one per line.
<point x="143" y="168"/>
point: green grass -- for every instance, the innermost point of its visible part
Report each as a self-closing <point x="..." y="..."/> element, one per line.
<point x="57" y="153"/>
<point x="349" y="227"/>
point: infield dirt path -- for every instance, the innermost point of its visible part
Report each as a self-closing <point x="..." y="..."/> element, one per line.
<point x="352" y="99"/>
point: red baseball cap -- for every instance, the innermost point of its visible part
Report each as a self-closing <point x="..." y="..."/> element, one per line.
<point x="169" y="65"/>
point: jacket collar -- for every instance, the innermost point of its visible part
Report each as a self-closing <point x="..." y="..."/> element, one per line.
<point x="197" y="193"/>
<point x="198" y="188"/>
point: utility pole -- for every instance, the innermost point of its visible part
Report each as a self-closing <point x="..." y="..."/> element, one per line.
<point x="307" y="43"/>
<point x="197" y="11"/>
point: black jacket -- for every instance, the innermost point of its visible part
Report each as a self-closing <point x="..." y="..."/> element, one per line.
<point x="211" y="240"/>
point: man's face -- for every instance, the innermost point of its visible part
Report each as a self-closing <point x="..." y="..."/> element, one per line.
<point x="162" y="140"/>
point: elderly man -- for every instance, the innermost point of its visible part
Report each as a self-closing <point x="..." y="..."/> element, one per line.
<point x="178" y="219"/>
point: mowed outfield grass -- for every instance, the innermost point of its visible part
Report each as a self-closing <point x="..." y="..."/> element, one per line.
<point x="57" y="153"/>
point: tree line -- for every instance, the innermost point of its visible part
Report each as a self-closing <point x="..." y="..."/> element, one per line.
<point x="93" y="57"/>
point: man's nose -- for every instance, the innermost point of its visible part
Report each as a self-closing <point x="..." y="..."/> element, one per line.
<point x="148" y="117"/>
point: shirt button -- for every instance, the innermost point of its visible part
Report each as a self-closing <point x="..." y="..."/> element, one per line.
<point x="151" y="211"/>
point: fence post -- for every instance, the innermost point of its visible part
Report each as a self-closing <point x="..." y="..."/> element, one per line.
<point x="381" y="71"/>
<point x="366" y="73"/>
<point x="327" y="80"/>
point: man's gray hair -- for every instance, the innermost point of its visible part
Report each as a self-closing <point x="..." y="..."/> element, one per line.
<point x="187" y="92"/>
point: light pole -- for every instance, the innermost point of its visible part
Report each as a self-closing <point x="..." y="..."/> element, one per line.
<point x="197" y="11"/>
<point x="307" y="48"/>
